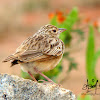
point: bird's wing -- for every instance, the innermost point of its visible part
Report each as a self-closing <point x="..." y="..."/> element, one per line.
<point x="39" y="47"/>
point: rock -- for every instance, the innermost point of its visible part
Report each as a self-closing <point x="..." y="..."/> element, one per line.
<point x="16" y="88"/>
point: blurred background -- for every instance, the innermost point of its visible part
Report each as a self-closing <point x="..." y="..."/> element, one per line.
<point x="21" y="19"/>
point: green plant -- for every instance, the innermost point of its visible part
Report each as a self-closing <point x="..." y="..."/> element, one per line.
<point x="91" y="57"/>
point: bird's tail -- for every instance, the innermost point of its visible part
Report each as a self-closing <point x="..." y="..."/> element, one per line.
<point x="11" y="57"/>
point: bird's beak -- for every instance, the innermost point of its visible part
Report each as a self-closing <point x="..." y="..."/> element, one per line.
<point x="60" y="30"/>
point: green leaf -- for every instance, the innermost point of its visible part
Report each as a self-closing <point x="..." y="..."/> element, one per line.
<point x="79" y="31"/>
<point x="54" y="21"/>
<point x="70" y="19"/>
<point x="25" y="75"/>
<point x="90" y="55"/>
<point x="93" y="64"/>
<point x="72" y="63"/>
<point x="68" y="24"/>
<point x="72" y="66"/>
<point x="66" y="54"/>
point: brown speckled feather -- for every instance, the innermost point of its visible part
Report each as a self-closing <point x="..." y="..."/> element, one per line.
<point x="39" y="47"/>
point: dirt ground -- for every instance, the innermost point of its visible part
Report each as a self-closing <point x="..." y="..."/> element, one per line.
<point x="75" y="80"/>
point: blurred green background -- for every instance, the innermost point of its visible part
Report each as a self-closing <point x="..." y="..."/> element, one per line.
<point x="81" y="18"/>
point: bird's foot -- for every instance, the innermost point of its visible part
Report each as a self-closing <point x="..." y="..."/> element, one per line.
<point x="49" y="82"/>
<point x="44" y="82"/>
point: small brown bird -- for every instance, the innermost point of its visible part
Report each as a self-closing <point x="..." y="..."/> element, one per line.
<point x="40" y="52"/>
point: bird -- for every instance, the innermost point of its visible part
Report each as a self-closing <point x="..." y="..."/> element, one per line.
<point x="40" y="52"/>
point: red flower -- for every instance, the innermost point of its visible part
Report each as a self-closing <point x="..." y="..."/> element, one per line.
<point x="60" y="18"/>
<point x="51" y="15"/>
<point x="59" y="13"/>
<point x="96" y="24"/>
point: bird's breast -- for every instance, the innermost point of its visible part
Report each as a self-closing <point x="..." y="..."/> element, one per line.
<point x="42" y="66"/>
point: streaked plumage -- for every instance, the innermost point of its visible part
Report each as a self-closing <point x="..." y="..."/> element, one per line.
<point x="43" y="50"/>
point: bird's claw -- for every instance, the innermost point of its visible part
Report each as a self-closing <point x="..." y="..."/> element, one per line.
<point x="49" y="82"/>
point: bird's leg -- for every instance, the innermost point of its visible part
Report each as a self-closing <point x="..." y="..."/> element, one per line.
<point x="32" y="76"/>
<point x="43" y="75"/>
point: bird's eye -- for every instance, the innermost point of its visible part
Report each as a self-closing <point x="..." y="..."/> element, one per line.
<point x="54" y="30"/>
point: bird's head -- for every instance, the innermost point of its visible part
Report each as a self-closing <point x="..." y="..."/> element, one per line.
<point x="51" y="30"/>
